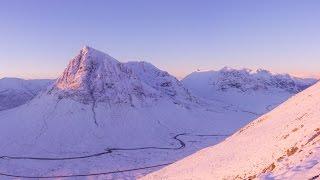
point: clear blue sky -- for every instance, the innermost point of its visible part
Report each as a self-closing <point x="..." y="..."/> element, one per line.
<point x="38" y="37"/>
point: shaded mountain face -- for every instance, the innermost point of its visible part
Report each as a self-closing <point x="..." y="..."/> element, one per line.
<point x="160" y="80"/>
<point x="15" y="92"/>
<point x="257" y="92"/>
<point x="93" y="76"/>
<point x="282" y="144"/>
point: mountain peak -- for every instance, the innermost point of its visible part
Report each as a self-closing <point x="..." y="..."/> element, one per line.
<point x="90" y="54"/>
<point x="88" y="74"/>
<point x="87" y="49"/>
<point x="93" y="76"/>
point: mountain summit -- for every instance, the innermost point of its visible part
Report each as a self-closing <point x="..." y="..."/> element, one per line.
<point x="93" y="76"/>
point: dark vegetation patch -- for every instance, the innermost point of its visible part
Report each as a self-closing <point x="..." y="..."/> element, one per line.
<point x="269" y="168"/>
<point x="291" y="151"/>
<point x="285" y="136"/>
<point x="314" y="136"/>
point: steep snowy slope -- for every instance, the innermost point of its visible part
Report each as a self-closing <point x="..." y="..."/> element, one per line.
<point x="94" y="76"/>
<point x="160" y="80"/>
<point x="102" y="115"/>
<point x="254" y="91"/>
<point x="15" y="92"/>
<point x="281" y="144"/>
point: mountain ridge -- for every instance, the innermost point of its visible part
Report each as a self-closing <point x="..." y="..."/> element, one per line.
<point x="253" y="91"/>
<point x="247" y="79"/>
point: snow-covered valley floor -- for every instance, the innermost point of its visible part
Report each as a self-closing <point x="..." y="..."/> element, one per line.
<point x="128" y="152"/>
<point x="111" y="163"/>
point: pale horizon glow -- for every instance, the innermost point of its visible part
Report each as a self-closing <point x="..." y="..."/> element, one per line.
<point x="38" y="38"/>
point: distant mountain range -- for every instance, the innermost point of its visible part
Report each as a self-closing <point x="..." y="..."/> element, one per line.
<point x="228" y="85"/>
<point x="15" y="92"/>
<point x="254" y="91"/>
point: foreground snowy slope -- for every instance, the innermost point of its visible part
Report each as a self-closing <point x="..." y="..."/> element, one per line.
<point x="15" y="92"/>
<point x="104" y="117"/>
<point x="281" y="144"/>
<point x="254" y="91"/>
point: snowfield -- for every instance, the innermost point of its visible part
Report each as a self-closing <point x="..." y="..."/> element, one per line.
<point x="282" y="144"/>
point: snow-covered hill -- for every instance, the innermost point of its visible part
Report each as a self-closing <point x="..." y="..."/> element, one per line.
<point x="102" y="115"/>
<point x="253" y="91"/>
<point x="15" y="92"/>
<point x="282" y="144"/>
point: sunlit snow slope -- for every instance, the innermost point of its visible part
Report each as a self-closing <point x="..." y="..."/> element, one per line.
<point x="281" y="144"/>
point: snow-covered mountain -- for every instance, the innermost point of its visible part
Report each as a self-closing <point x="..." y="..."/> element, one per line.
<point x="97" y="88"/>
<point x="103" y="115"/>
<point x="94" y="76"/>
<point x="15" y="92"/>
<point x="254" y="91"/>
<point x="282" y="144"/>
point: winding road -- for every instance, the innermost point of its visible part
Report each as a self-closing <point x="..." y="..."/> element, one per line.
<point x="182" y="145"/>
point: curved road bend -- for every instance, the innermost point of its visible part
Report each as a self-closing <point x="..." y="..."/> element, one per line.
<point x="107" y="151"/>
